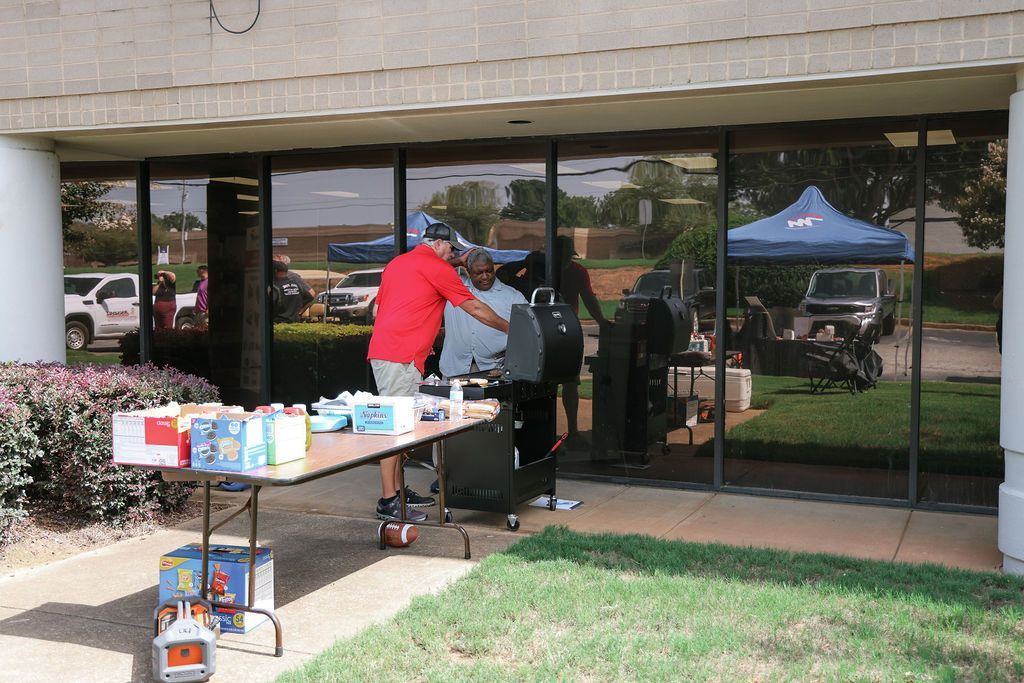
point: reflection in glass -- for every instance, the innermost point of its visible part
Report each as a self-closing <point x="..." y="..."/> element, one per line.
<point x="636" y="237"/>
<point x="961" y="461"/>
<point x="101" y="292"/>
<point x="205" y="231"/>
<point x="493" y="196"/>
<point x="816" y="314"/>
<point x="334" y="228"/>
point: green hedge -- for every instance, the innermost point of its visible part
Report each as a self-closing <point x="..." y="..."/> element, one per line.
<point x="55" y="437"/>
<point x="185" y="350"/>
<point x="311" y="360"/>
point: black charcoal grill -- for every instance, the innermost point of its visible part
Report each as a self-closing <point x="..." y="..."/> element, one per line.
<point x="545" y="348"/>
<point x="545" y="341"/>
<point x="630" y="375"/>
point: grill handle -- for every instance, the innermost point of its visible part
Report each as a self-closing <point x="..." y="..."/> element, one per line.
<point x="549" y="290"/>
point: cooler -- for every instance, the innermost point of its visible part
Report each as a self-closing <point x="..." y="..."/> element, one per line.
<point x="737" y="385"/>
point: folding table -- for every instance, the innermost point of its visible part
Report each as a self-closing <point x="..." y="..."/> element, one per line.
<point x="330" y="453"/>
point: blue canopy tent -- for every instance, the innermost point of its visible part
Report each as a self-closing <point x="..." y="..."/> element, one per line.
<point x="382" y="249"/>
<point x="812" y="231"/>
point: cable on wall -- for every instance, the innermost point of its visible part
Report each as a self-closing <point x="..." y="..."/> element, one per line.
<point x="213" y="13"/>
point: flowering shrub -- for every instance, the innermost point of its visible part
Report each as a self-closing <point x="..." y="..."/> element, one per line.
<point x="19" y="447"/>
<point x="68" y="412"/>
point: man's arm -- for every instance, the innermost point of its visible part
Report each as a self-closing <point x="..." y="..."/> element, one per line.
<point x="587" y="295"/>
<point x="594" y="307"/>
<point x="484" y="314"/>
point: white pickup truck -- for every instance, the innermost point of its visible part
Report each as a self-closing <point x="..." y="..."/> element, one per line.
<point x="106" y="306"/>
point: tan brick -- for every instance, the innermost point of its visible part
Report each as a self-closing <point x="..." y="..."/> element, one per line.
<point x="860" y="60"/>
<point x="996" y="49"/>
<point x="839" y="19"/>
<point x="904" y="56"/>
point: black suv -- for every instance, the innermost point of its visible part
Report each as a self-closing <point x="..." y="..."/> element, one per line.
<point x="700" y="303"/>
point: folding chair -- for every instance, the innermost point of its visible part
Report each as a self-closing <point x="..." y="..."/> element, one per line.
<point x="852" y="365"/>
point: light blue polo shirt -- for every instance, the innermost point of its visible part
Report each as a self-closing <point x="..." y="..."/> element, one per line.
<point x="466" y="339"/>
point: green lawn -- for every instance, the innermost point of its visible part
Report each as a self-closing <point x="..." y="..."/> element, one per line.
<point x="565" y="606"/>
<point x="959" y="426"/>
<point x="607" y="310"/>
<point x="105" y="357"/>
<point x="948" y="314"/>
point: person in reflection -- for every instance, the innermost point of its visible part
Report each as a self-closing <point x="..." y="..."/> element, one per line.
<point x="573" y="286"/>
<point x="470" y="345"/>
<point x="410" y="304"/>
<point x="290" y="294"/>
<point x="201" y="288"/>
<point x="165" y="304"/>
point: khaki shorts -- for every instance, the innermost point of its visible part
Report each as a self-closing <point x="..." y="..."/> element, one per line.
<point x="396" y="379"/>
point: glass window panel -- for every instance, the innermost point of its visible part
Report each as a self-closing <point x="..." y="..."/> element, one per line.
<point x="329" y="210"/>
<point x="491" y="194"/>
<point x="824" y="333"/>
<point x="639" y="216"/>
<point x="100" y="224"/>
<point x="961" y="461"/>
<point x="206" y="215"/>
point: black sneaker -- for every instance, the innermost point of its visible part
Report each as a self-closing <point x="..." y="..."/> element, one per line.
<point x="392" y="510"/>
<point x="413" y="499"/>
<point x="435" y="487"/>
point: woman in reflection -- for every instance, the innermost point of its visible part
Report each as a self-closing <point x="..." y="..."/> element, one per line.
<point x="164" y="300"/>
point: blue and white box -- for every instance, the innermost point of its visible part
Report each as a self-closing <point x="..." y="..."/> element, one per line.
<point x="229" y="442"/>
<point x="227" y="580"/>
<point x="384" y="415"/>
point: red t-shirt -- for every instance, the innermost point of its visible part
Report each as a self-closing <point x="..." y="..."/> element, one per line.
<point x="410" y="305"/>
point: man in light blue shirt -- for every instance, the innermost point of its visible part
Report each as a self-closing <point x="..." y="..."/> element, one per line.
<point x="468" y="345"/>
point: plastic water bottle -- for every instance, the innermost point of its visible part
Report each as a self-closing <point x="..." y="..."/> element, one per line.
<point x="309" y="423"/>
<point x="455" y="398"/>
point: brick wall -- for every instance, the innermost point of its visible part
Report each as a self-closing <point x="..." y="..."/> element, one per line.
<point x="69" y="63"/>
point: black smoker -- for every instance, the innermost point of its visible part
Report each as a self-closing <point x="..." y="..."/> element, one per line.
<point x="545" y="347"/>
<point x="630" y="375"/>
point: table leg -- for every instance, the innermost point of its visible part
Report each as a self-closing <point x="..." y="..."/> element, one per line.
<point x="442" y="523"/>
<point x="253" y="507"/>
<point x="204" y="579"/>
<point x="675" y="394"/>
<point x="442" y="510"/>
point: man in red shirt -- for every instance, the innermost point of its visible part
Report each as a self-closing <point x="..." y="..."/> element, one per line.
<point x="410" y="306"/>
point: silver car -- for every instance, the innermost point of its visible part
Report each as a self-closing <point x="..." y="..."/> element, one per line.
<point x="836" y="294"/>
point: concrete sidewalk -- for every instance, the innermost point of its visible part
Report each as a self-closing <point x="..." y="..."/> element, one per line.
<point x="88" y="618"/>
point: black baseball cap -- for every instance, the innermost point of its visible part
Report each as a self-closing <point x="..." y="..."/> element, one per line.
<point x="440" y="231"/>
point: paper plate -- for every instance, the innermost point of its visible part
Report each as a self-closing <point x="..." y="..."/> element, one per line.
<point x="324" y="423"/>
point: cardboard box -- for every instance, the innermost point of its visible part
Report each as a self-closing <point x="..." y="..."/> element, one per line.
<point x="285" y="436"/>
<point x="228" y="442"/>
<point x="684" y="412"/>
<point x="384" y="415"/>
<point x="227" y="577"/>
<point x="157" y="437"/>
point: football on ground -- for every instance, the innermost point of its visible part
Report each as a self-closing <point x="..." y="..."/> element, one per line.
<point x="399" y="535"/>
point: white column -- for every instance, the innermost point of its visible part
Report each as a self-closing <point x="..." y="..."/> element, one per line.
<point x="31" y="245"/>
<point x="1011" y="417"/>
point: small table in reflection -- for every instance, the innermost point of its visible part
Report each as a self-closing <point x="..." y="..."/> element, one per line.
<point x="695" y="361"/>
